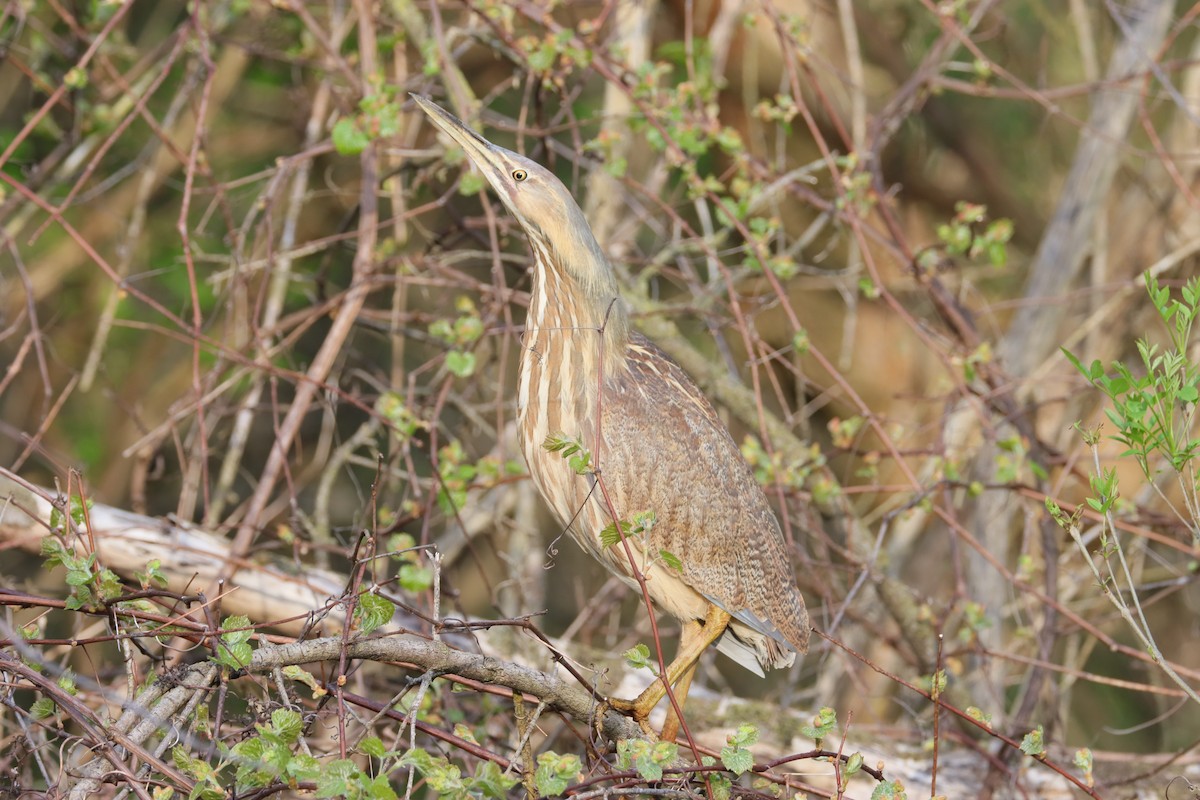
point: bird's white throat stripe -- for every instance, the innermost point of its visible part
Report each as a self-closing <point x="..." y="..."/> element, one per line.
<point x="551" y="397"/>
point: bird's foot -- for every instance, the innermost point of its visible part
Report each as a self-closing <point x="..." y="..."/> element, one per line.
<point x="637" y="710"/>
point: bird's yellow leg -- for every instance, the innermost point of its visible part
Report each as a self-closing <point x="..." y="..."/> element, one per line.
<point x="694" y="641"/>
<point x="670" y="728"/>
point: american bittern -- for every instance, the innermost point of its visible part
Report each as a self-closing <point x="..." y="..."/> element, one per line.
<point x="655" y="440"/>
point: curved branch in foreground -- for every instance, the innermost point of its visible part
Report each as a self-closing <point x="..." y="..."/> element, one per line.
<point x="433" y="656"/>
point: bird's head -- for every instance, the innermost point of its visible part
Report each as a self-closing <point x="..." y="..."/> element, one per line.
<point x="553" y="221"/>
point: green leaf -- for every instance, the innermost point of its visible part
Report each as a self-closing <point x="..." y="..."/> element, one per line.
<point x="801" y="342"/>
<point x="937" y="683"/>
<point x="233" y="648"/>
<point x="303" y="767"/>
<point x="236" y="656"/>
<point x="610" y="535"/>
<point x="460" y="364"/>
<point x="77" y="508"/>
<point x="744" y="736"/>
<point x="1034" y="743"/>
<point x="66" y="682"/>
<point x="76" y="78"/>
<point x="1075" y="362"/>
<point x="889" y="790"/>
<point x="295" y="673"/>
<point x="1083" y="761"/>
<point x="853" y="764"/>
<point x="580" y="463"/>
<point x="465" y="733"/>
<point x="997" y="253"/>
<point x="53" y="551"/>
<point x="183" y="760"/>
<point x="287" y="724"/>
<point x="468" y="329"/>
<point x="442" y="776"/>
<point x="373" y="611"/>
<point x="644" y="521"/>
<point x="206" y="784"/>
<point x="78" y="577"/>
<point x="447" y="780"/>
<point x="418" y="757"/>
<point x="415" y="578"/>
<point x="721" y="785"/>
<point x="572" y="449"/>
<point x="372" y="746"/>
<point x="736" y="759"/>
<point x="380" y="789"/>
<point x="243" y="634"/>
<point x="152" y="575"/>
<point x="470" y="184"/>
<point x="638" y="657"/>
<point x="671" y="560"/>
<point x="555" y="442"/>
<point x="489" y="781"/>
<point x="108" y="585"/>
<point x="868" y="289"/>
<point x="542" y="59"/>
<point x="442" y="329"/>
<point x="617" y="166"/>
<point x="982" y="717"/>
<point x="451" y="499"/>
<point x="821" y="725"/>
<point x="336" y="777"/>
<point x="647" y="758"/>
<point x="253" y="771"/>
<point x="42" y="707"/>
<point x="208" y="789"/>
<point x="349" y="139"/>
<point x="554" y="773"/>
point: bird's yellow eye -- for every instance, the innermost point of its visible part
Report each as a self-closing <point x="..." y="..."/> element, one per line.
<point x="519" y="175"/>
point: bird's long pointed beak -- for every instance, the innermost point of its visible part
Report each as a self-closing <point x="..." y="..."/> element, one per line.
<point x="479" y="150"/>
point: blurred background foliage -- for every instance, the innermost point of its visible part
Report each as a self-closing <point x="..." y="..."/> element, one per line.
<point x="186" y="252"/>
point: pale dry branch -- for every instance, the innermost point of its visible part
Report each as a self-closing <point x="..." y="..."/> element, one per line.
<point x="191" y="558"/>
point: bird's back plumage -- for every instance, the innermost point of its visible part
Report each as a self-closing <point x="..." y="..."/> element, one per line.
<point x="666" y="450"/>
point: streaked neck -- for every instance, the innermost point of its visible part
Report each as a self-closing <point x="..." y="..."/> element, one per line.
<point x="595" y="325"/>
<point x="575" y="293"/>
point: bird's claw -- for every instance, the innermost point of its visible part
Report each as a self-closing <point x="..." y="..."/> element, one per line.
<point x="633" y="709"/>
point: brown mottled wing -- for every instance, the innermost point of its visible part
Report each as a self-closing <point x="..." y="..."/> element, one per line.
<point x="670" y="453"/>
